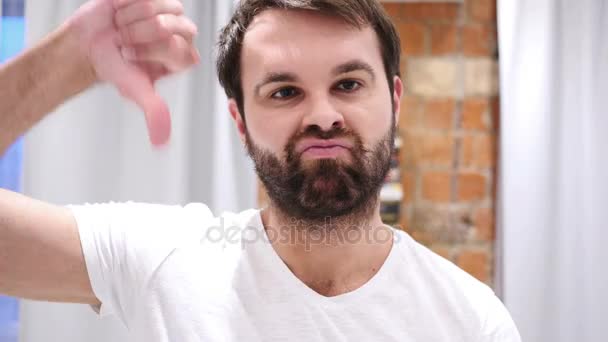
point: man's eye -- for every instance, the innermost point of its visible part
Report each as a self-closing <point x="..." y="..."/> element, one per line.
<point x="284" y="93"/>
<point x="349" y="85"/>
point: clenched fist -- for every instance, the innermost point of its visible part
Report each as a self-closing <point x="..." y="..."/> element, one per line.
<point x="131" y="44"/>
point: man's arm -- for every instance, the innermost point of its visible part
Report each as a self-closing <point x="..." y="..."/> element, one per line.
<point x="127" y="43"/>
<point x="40" y="253"/>
<point x="36" y="82"/>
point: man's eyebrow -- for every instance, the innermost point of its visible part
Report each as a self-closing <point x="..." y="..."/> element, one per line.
<point x="354" y="65"/>
<point x="275" y="77"/>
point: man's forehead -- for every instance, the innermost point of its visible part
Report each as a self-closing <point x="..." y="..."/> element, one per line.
<point x="278" y="18"/>
<point x="278" y="39"/>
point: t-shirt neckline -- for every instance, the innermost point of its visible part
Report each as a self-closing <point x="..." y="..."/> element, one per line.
<point x="379" y="281"/>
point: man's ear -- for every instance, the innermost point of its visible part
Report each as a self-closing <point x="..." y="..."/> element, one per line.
<point x="233" y="108"/>
<point x="397" y="94"/>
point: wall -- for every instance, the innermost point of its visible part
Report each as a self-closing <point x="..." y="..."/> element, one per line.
<point x="449" y="130"/>
<point x="12" y="28"/>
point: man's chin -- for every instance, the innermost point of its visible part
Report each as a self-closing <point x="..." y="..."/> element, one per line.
<point x="325" y="185"/>
<point x="328" y="168"/>
<point x="316" y="216"/>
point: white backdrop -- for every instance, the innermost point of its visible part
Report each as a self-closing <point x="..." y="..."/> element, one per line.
<point x="554" y="167"/>
<point x="95" y="149"/>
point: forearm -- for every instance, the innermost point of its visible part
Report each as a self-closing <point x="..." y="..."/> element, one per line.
<point x="39" y="80"/>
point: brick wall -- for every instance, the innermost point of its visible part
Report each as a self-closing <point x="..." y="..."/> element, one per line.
<point x="448" y="127"/>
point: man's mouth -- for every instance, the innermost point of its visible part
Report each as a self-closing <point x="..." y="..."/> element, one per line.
<point x="307" y="144"/>
<point x="324" y="151"/>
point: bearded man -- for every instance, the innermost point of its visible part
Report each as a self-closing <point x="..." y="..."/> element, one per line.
<point x="315" y="93"/>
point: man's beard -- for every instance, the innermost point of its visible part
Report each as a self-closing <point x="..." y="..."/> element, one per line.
<point x="318" y="190"/>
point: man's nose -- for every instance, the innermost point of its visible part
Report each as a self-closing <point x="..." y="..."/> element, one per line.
<point x="323" y="114"/>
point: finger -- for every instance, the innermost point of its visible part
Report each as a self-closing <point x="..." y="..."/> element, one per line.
<point x="141" y="10"/>
<point x="139" y="88"/>
<point x="134" y="84"/>
<point x="156" y="111"/>
<point x="122" y="3"/>
<point x="154" y="70"/>
<point x="175" y="53"/>
<point x="158" y="28"/>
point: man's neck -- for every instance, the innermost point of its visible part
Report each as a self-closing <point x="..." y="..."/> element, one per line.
<point x="335" y="257"/>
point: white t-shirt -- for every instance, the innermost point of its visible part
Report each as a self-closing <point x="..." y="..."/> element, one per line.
<point x="179" y="274"/>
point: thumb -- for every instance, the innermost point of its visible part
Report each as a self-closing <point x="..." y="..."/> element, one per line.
<point x="138" y="87"/>
<point x="133" y="83"/>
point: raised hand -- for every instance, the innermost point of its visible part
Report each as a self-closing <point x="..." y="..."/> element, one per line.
<point x="131" y="44"/>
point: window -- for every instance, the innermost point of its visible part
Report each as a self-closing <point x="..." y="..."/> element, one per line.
<point x="12" y="26"/>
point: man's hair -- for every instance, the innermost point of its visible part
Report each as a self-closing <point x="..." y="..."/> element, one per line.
<point x="358" y="13"/>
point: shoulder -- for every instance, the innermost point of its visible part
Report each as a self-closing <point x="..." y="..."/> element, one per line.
<point x="460" y="294"/>
<point x="156" y="229"/>
<point x="429" y="266"/>
<point x="145" y="221"/>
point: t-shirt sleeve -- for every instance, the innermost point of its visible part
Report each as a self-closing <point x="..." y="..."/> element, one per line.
<point x="498" y="325"/>
<point x="124" y="243"/>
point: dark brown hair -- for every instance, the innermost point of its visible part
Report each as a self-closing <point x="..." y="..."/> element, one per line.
<point x="358" y="13"/>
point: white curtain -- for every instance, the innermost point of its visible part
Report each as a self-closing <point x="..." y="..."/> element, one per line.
<point x="95" y="149"/>
<point x="554" y="167"/>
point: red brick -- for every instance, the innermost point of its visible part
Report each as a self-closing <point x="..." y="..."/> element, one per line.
<point x="430" y="11"/>
<point x="476" y="263"/>
<point x="479" y="150"/>
<point x="495" y="115"/>
<point x="433" y="222"/>
<point x="436" y="186"/>
<point x="409" y="151"/>
<point x="405" y="219"/>
<point x="422" y="236"/>
<point x="393" y="10"/>
<point x="400" y="226"/>
<point x="408" y="184"/>
<point x="442" y="251"/>
<point x="437" y="149"/>
<point x="444" y="39"/>
<point x="468" y="151"/>
<point x="481" y="10"/>
<point x="483" y="220"/>
<point x="471" y="187"/>
<point x="474" y="113"/>
<point x="486" y="151"/>
<point x="410" y="112"/>
<point x="439" y="114"/>
<point x="413" y="38"/>
<point x="425" y="148"/>
<point x="478" y="40"/>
